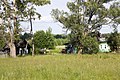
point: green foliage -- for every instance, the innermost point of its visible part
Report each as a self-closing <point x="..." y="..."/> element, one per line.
<point x="21" y="5"/>
<point x="84" y="18"/>
<point x="114" y="41"/>
<point x="22" y="10"/>
<point x="2" y="37"/>
<point x="60" y="41"/>
<point x="26" y="11"/>
<point x="39" y="2"/>
<point x="114" y="15"/>
<point x="81" y="15"/>
<point x="60" y="36"/>
<point x="27" y="36"/>
<point x="37" y="51"/>
<point x="39" y="37"/>
<point x="44" y="40"/>
<point x="75" y="39"/>
<point x="90" y="45"/>
<point x="50" y="44"/>
<point x="2" y="43"/>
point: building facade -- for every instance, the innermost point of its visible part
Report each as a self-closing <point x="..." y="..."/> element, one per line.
<point x="103" y="46"/>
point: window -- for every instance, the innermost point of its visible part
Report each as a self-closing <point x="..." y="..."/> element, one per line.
<point x="105" y="46"/>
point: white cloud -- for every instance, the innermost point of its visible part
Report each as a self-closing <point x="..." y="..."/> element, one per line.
<point x="46" y="18"/>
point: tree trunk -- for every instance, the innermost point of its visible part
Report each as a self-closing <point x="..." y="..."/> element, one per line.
<point x="80" y="51"/>
<point x="10" y="29"/>
<point x="33" y="49"/>
<point x="31" y="31"/>
<point x="12" y="50"/>
<point x="12" y="45"/>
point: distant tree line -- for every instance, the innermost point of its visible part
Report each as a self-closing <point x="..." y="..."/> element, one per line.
<point x="60" y="39"/>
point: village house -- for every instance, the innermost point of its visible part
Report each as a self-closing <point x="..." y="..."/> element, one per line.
<point x="103" y="46"/>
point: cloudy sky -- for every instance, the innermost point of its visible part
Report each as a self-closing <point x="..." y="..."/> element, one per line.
<point x="47" y="21"/>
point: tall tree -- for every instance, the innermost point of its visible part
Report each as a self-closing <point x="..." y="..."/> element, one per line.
<point x="114" y="41"/>
<point x="85" y="16"/>
<point x="15" y="11"/>
<point x="114" y="15"/>
<point x="30" y="13"/>
<point x="8" y="14"/>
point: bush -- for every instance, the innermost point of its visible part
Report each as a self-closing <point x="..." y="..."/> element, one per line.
<point x="90" y="45"/>
<point x="44" y="40"/>
<point x="114" y="41"/>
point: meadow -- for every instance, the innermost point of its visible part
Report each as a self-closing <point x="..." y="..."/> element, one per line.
<point x="61" y="67"/>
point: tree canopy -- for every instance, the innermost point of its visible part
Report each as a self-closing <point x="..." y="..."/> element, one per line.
<point x="114" y="41"/>
<point x="86" y="17"/>
<point x="14" y="11"/>
<point x="44" y="40"/>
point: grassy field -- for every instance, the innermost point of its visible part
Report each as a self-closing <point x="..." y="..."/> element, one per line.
<point x="61" y="67"/>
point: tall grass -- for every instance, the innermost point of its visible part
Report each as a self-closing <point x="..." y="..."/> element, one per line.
<point x="61" y="67"/>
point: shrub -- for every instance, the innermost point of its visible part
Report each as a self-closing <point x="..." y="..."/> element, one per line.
<point x="44" y="40"/>
<point x="90" y="45"/>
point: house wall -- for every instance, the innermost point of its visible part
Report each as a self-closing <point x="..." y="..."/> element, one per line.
<point x="104" y="47"/>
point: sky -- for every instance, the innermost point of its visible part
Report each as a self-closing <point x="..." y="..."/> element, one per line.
<point x="47" y="21"/>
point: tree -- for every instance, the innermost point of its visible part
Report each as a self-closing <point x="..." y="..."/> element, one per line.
<point x="50" y="44"/>
<point x="31" y="15"/>
<point x="60" y="36"/>
<point x="40" y="39"/>
<point x="30" y="12"/>
<point x="26" y="36"/>
<point x="2" y="39"/>
<point x="114" y="41"/>
<point x="15" y="11"/>
<point x="90" y="45"/>
<point x="8" y="16"/>
<point x="60" y="39"/>
<point x="84" y="18"/>
<point x="114" y="20"/>
<point x="114" y="15"/>
<point x="2" y="43"/>
<point x="44" y="40"/>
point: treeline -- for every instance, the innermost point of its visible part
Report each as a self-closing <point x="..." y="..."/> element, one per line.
<point x="60" y="39"/>
<point x="45" y="39"/>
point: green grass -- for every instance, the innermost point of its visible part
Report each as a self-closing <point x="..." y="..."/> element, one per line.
<point x="61" y="67"/>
